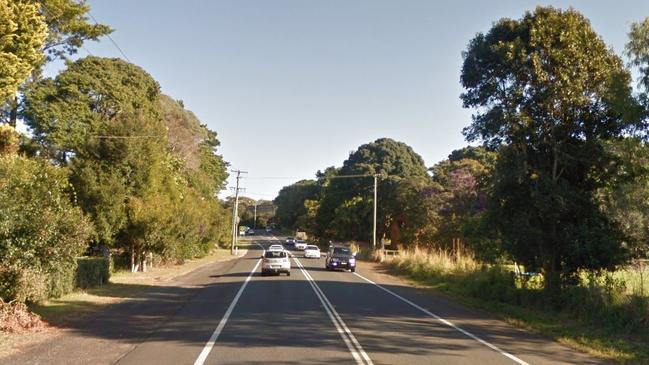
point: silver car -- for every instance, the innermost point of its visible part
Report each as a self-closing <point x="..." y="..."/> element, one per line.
<point x="275" y="262"/>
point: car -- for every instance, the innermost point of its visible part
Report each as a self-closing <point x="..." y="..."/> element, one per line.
<point x="312" y="251"/>
<point x="290" y="239"/>
<point x="250" y="232"/>
<point x="340" y="257"/>
<point x="269" y="230"/>
<point x="276" y="247"/>
<point x="300" y="244"/>
<point x="275" y="262"/>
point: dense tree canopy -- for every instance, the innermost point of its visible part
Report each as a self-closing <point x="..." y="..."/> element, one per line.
<point x="22" y="35"/>
<point x="143" y="168"/>
<point x="345" y="211"/>
<point x="548" y="92"/>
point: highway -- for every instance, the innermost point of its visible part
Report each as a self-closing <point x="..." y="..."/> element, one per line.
<point x="230" y="314"/>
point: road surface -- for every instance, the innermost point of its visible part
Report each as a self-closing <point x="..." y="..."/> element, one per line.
<point x="227" y="313"/>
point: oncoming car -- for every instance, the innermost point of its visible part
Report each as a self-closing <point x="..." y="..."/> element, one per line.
<point x="275" y="262"/>
<point x="340" y="258"/>
<point x="312" y="251"/>
<point x="300" y="244"/>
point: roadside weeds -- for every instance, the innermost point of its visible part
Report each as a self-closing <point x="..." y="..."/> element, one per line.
<point x="580" y="336"/>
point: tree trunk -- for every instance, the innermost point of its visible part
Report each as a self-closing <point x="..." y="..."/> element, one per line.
<point x="13" y="114"/>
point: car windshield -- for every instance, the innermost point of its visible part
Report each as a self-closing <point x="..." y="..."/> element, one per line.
<point x="301" y="241"/>
<point x="275" y="254"/>
<point x="289" y="238"/>
<point x="342" y="251"/>
<point x="311" y="247"/>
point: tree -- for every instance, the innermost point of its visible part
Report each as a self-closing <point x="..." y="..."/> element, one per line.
<point x="68" y="27"/>
<point x="102" y="118"/>
<point x="41" y="230"/>
<point x="464" y="182"/>
<point x="290" y="202"/>
<point x="22" y="35"/>
<point x="626" y="199"/>
<point x="345" y="211"/>
<point x="548" y="93"/>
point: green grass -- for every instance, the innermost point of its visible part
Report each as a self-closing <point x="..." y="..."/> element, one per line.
<point x="606" y="316"/>
<point x="122" y="285"/>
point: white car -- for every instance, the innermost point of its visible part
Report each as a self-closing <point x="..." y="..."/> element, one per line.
<point x="300" y="244"/>
<point x="276" y="247"/>
<point x="275" y="262"/>
<point x="312" y="251"/>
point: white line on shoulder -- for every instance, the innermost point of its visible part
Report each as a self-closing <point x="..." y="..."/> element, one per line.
<point x="446" y="322"/>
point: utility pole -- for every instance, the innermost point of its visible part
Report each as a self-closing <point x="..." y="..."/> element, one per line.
<point x="254" y="222"/>
<point x="376" y="176"/>
<point x="235" y="212"/>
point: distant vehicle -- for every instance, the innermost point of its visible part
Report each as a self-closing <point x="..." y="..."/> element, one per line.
<point x="276" y="247"/>
<point x="290" y="239"/>
<point x="312" y="251"/>
<point x="251" y="232"/>
<point x="268" y="229"/>
<point x="300" y="244"/>
<point x="340" y="258"/>
<point x="275" y="262"/>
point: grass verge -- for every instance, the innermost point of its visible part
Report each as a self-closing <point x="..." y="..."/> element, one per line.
<point x="122" y="285"/>
<point x="598" y="318"/>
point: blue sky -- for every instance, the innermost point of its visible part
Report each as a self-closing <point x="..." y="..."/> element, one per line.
<point x="292" y="86"/>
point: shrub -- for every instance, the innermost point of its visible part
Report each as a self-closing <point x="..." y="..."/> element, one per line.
<point x="41" y="231"/>
<point x="92" y="271"/>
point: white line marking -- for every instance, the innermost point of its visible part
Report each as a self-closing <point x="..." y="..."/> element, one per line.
<point x="467" y="333"/>
<point x="350" y="340"/>
<point x="215" y="335"/>
<point x="335" y="318"/>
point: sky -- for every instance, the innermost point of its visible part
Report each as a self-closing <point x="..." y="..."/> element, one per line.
<point x="293" y="86"/>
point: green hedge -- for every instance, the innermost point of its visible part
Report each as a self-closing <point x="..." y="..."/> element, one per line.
<point x="92" y="271"/>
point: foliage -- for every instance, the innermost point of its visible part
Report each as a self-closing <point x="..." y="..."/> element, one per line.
<point x="9" y="139"/>
<point x="22" y="34"/>
<point x="291" y="203"/>
<point x="598" y="312"/>
<point x="548" y="93"/>
<point x="68" y="27"/>
<point x="637" y="49"/>
<point x="626" y="199"/>
<point x="91" y="272"/>
<point x="144" y="168"/>
<point x="464" y="181"/>
<point x="41" y="231"/>
<point x="347" y="202"/>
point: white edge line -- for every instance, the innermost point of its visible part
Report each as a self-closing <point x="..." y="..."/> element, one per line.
<point x="215" y="335"/>
<point x="467" y="333"/>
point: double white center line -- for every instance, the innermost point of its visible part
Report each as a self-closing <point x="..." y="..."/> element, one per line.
<point x="352" y="344"/>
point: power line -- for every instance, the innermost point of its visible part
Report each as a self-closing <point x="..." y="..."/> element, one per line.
<point x="301" y="177"/>
<point x="110" y="38"/>
<point x="123" y="137"/>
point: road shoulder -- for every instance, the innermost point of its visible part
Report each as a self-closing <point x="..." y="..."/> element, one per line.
<point x="79" y="309"/>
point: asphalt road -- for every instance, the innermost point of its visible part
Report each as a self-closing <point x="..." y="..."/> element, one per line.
<point x="229" y="314"/>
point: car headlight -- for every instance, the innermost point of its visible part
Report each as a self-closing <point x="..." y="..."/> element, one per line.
<point x="351" y="261"/>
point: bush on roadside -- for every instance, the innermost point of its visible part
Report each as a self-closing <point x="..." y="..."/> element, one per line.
<point x="41" y="231"/>
<point x="92" y="271"/>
